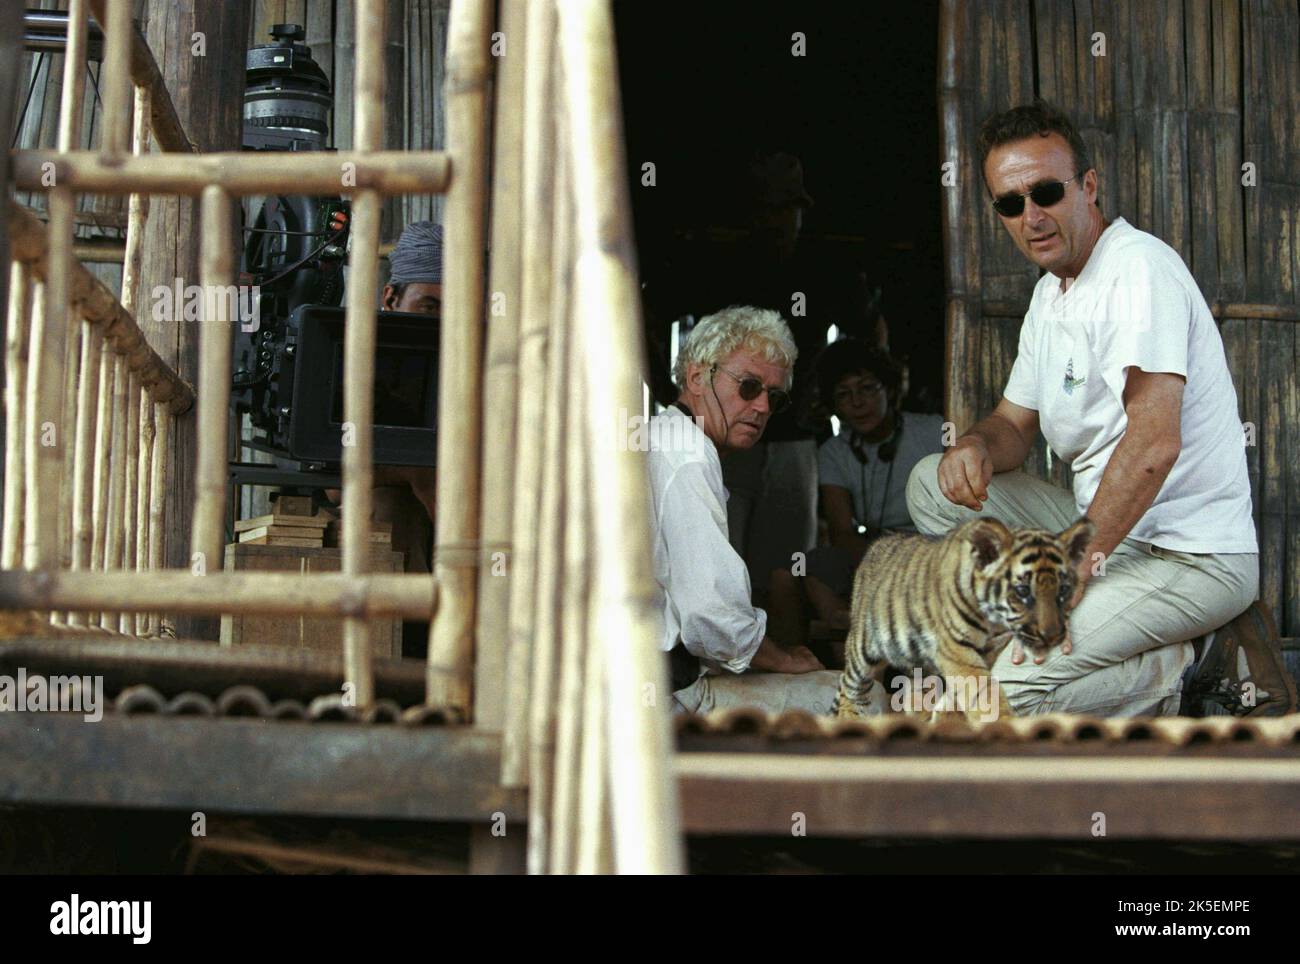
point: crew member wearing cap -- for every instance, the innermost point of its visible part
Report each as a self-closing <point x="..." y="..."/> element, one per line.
<point x="415" y="284"/>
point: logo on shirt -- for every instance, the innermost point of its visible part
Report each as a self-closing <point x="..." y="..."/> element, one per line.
<point x="1071" y="383"/>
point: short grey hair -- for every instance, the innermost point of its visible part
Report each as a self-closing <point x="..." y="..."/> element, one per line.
<point x="714" y="337"/>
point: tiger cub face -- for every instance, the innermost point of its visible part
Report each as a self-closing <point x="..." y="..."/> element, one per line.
<point x="1024" y="579"/>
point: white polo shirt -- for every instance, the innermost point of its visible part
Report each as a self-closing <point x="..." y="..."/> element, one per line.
<point x="1136" y="304"/>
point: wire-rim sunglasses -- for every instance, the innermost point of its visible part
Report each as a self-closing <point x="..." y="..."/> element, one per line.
<point x="778" y="399"/>
<point x="1045" y="195"/>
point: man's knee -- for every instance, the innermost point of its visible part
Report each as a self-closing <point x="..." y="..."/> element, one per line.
<point x="923" y="487"/>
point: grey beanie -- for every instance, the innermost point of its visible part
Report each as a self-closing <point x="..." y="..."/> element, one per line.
<point x="417" y="258"/>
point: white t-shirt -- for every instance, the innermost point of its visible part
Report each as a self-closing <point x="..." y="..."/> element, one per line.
<point x="1136" y="304"/>
<point x="703" y="583"/>
<point x="879" y="489"/>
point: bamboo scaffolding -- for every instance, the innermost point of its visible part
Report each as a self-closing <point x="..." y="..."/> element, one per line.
<point x="207" y="538"/>
<point x="535" y="299"/>
<point x="380" y="595"/>
<point x="21" y="291"/>
<point x="550" y="546"/>
<point x="456" y="556"/>
<point x="146" y="77"/>
<point x="240" y="174"/>
<point x="30" y="242"/>
<point x="500" y="377"/>
<point x="44" y="461"/>
<point x="83" y="470"/>
<point x="115" y="82"/>
<point x="360" y="334"/>
<point x="644" y="807"/>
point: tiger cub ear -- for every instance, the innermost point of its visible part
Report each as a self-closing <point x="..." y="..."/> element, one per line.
<point x="988" y="539"/>
<point x="1076" y="539"/>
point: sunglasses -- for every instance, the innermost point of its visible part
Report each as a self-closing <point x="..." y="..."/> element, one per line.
<point x="778" y="399"/>
<point x="1044" y="195"/>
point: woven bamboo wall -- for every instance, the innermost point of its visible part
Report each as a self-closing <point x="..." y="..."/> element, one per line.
<point x="1187" y="92"/>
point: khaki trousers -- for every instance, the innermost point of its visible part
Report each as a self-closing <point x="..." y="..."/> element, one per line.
<point x="771" y="692"/>
<point x="1131" y="629"/>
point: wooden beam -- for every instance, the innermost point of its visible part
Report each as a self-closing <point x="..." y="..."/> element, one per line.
<point x="409" y="596"/>
<point x="242" y="173"/>
<point x="998" y="797"/>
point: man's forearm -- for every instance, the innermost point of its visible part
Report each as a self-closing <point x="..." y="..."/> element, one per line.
<point x="1132" y="480"/>
<point x="1006" y="447"/>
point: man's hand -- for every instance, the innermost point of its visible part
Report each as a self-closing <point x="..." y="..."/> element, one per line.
<point x="773" y="658"/>
<point x="965" y="471"/>
<point x="1083" y="574"/>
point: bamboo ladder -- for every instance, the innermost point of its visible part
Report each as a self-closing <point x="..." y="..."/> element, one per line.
<point x="564" y="645"/>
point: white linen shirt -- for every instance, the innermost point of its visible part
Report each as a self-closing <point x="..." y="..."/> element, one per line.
<point x="1136" y="304"/>
<point x="703" y="583"/>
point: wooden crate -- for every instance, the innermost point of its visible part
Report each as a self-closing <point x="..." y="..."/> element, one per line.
<point x="301" y="631"/>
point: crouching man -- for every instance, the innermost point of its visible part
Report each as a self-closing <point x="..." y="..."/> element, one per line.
<point x="733" y="373"/>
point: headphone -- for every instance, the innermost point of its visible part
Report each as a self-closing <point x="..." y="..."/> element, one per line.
<point x="886" y="453"/>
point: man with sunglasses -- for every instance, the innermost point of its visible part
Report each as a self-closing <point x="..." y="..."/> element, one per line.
<point x="1121" y="366"/>
<point x="733" y="374"/>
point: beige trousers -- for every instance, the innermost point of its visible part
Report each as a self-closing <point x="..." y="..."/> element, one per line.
<point x="1131" y="629"/>
<point x="771" y="692"/>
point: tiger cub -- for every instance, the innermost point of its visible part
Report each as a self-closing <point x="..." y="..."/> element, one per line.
<point x="948" y="604"/>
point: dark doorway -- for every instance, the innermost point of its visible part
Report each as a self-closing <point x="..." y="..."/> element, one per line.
<point x="707" y="83"/>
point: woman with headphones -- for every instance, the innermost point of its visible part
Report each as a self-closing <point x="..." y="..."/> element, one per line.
<point x="862" y="481"/>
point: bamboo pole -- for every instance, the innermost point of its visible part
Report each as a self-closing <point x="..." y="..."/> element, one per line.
<point x="137" y="212"/>
<point x="143" y="499"/>
<point x="44" y="454"/>
<point x="500" y="377"/>
<point x="535" y="299"/>
<point x="550" y="546"/>
<point x="18" y="321"/>
<point x="207" y="542"/>
<point x="328" y="594"/>
<point x="158" y="502"/>
<point x="74" y="76"/>
<point x="593" y="847"/>
<point x="644" y="807"/>
<point x="130" y="487"/>
<point x="146" y="76"/>
<point x="30" y="242"/>
<point x="83" y="470"/>
<point x="115" y="83"/>
<point x="460" y="374"/>
<point x="100" y="484"/>
<point x="116" y="479"/>
<point x="241" y="174"/>
<point x="575" y="590"/>
<point x="67" y="436"/>
<point x="360" y="333"/>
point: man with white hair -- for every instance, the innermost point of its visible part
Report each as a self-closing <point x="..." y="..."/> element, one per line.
<point x="733" y="374"/>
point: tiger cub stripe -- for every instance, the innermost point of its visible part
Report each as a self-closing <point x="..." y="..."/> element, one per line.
<point x="948" y="604"/>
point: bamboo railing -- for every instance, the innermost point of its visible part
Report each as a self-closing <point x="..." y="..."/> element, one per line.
<point x="544" y="624"/>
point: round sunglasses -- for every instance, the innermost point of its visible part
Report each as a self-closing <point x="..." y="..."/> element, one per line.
<point x="1044" y="195"/>
<point x="778" y="399"/>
